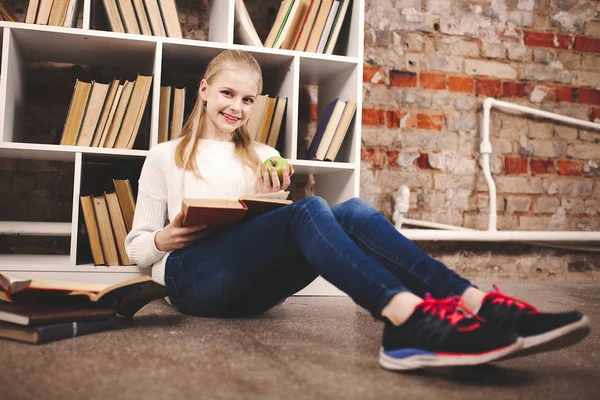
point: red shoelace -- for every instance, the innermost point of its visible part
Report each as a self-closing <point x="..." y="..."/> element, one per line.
<point x="497" y="297"/>
<point x="451" y="308"/>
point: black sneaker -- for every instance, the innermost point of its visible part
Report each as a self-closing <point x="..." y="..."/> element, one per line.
<point x="437" y="334"/>
<point x="540" y="331"/>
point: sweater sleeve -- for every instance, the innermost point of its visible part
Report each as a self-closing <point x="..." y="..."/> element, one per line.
<point x="150" y="212"/>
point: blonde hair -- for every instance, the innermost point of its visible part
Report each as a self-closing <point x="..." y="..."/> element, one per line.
<point x="185" y="153"/>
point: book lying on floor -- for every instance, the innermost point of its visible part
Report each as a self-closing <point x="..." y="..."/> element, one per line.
<point x="125" y="297"/>
<point x="223" y="213"/>
<point x="43" y="314"/>
<point x="50" y="333"/>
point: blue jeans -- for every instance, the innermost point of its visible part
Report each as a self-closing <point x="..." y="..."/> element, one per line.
<point x="257" y="265"/>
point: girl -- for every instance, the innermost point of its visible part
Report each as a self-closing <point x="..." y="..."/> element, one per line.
<point x="257" y="265"/>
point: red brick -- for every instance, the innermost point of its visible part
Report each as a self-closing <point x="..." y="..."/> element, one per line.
<point x="372" y="117"/>
<point x="403" y="78"/>
<point x="313" y="112"/>
<point x="589" y="96"/>
<point x="570" y="167"/>
<point x="595" y="114"/>
<point x="423" y="161"/>
<point x="511" y="89"/>
<point x="369" y="72"/>
<point x="365" y="153"/>
<point x="426" y="121"/>
<point x="378" y="158"/>
<point x="515" y="165"/>
<point x="541" y="167"/>
<point x="564" y="93"/>
<point x="433" y="81"/>
<point x="392" y="156"/>
<point x="462" y="84"/>
<point x="587" y="44"/>
<point x="489" y="87"/>
<point x="394" y="119"/>
<point x="543" y="39"/>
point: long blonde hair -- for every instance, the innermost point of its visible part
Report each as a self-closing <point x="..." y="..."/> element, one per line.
<point x="185" y="153"/>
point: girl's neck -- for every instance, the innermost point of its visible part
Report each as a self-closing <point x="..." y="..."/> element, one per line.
<point x="210" y="133"/>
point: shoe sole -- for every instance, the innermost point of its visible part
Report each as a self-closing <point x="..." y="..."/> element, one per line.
<point x="556" y="339"/>
<point x="445" y="359"/>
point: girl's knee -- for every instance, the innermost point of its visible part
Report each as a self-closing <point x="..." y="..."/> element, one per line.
<point x="354" y="206"/>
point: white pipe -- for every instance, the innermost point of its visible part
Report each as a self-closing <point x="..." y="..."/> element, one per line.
<point x="435" y="225"/>
<point x="497" y="236"/>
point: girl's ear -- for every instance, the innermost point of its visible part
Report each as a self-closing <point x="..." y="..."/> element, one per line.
<point x="202" y="90"/>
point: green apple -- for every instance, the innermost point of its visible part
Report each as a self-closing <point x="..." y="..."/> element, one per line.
<point x="279" y="163"/>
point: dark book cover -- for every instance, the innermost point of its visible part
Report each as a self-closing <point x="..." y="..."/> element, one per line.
<point x="127" y="300"/>
<point x="47" y="313"/>
<point x="314" y="145"/>
<point x="51" y="333"/>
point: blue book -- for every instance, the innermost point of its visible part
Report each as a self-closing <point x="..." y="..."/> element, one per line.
<point x="314" y="145"/>
<point x="51" y="333"/>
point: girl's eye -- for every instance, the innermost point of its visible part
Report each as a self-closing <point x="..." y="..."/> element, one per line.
<point x="226" y="92"/>
<point x="249" y="101"/>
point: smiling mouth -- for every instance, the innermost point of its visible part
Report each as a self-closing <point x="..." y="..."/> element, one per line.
<point x="230" y="118"/>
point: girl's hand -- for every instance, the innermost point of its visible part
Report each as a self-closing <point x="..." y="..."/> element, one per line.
<point x="174" y="236"/>
<point x="264" y="185"/>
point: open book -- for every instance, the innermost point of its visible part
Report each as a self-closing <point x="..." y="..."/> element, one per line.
<point x="125" y="297"/>
<point x="223" y="213"/>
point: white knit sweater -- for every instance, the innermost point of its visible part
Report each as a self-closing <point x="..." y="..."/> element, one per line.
<point x="159" y="192"/>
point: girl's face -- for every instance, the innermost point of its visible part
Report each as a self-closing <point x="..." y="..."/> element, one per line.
<point x="229" y="99"/>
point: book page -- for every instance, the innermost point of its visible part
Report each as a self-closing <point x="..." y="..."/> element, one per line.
<point x="281" y="195"/>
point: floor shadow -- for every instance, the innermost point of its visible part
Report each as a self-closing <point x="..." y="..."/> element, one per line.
<point x="149" y="321"/>
<point x="481" y="375"/>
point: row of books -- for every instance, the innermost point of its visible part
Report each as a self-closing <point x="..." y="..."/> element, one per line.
<point x="146" y="17"/>
<point x="108" y="219"/>
<point x="106" y="115"/>
<point x="5" y="13"/>
<point x="264" y="124"/>
<point x="331" y="130"/>
<point x="304" y="25"/>
<point x="63" y="13"/>
<point x="171" y="112"/>
<point x="41" y="311"/>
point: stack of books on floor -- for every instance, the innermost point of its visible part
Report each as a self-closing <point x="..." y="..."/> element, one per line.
<point x="304" y="25"/>
<point x="171" y="112"/>
<point x="63" y="13"/>
<point x="108" y="219"/>
<point x="40" y="311"/>
<point x="264" y="124"/>
<point x="146" y="17"/>
<point x="106" y="114"/>
<point x="331" y="130"/>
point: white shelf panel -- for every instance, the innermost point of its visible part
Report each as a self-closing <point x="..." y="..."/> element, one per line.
<point x="314" y="71"/>
<point x="320" y="167"/>
<point x="31" y="262"/>
<point x="60" y="153"/>
<point x="28" y="228"/>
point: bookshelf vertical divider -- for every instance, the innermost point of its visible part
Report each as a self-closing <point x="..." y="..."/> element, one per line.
<point x="285" y="73"/>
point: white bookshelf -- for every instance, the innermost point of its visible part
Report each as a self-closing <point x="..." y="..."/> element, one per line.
<point x="284" y="71"/>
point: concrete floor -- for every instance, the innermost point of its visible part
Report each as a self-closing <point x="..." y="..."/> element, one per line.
<point x="307" y="348"/>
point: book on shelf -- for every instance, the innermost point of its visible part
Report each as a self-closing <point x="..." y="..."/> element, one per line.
<point x="282" y="14"/>
<point x="256" y="115"/>
<point x="76" y="112"/>
<point x="128" y="16"/>
<point x="277" y="121"/>
<point x="113" y="16"/>
<point x="244" y="26"/>
<point x="140" y="12"/>
<point x="43" y="12"/>
<point x="170" y="18"/>
<point x="177" y="112"/>
<point x="156" y="22"/>
<point x="118" y="226"/>
<point x="91" y="227"/>
<point x="341" y="130"/>
<point x="284" y="29"/>
<point x="295" y="25"/>
<point x="34" y="314"/>
<point x="104" y="118"/>
<point x="126" y="297"/>
<point x="307" y="25"/>
<point x="58" y="12"/>
<point x="5" y="14"/>
<point x="321" y="127"/>
<point x="332" y="124"/>
<point x="92" y="113"/>
<point x="50" y="333"/>
<point x="31" y="12"/>
<point x="337" y="26"/>
<point x="135" y="111"/>
<point x="72" y="14"/>
<point x="119" y="113"/>
<point x="126" y="200"/>
<point x="318" y="26"/>
<point x="328" y="25"/>
<point x="105" y="229"/>
<point x="265" y="123"/>
<point x="164" y="108"/>
<point x="221" y="214"/>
